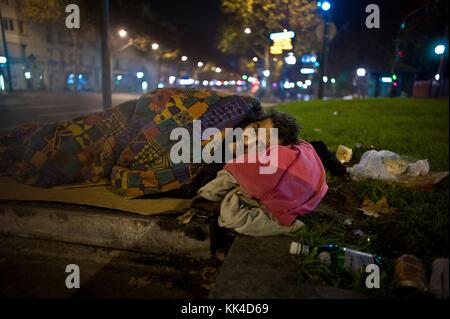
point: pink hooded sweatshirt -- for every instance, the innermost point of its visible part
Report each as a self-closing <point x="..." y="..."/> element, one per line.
<point x="295" y="189"/>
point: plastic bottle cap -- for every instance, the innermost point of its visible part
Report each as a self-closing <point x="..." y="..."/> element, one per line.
<point x="297" y="249"/>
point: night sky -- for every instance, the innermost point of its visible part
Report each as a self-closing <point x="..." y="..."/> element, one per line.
<point x="195" y="26"/>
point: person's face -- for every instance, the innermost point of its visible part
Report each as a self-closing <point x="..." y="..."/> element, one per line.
<point x="266" y="124"/>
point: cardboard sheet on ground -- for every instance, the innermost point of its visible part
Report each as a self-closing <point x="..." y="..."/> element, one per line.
<point x="97" y="196"/>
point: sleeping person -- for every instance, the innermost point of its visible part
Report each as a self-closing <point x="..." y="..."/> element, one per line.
<point x="258" y="204"/>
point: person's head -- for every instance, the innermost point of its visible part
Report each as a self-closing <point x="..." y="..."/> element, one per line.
<point x="287" y="125"/>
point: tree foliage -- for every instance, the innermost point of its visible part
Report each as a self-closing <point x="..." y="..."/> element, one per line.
<point x="42" y="11"/>
<point x="264" y="17"/>
<point x="53" y="12"/>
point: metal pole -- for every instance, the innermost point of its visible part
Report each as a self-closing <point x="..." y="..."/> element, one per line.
<point x="323" y="67"/>
<point x="441" y="69"/>
<point x="5" y="47"/>
<point x="106" y="56"/>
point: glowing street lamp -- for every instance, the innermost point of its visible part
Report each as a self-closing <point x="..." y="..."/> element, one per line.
<point x="155" y="46"/>
<point x="200" y="64"/>
<point x="439" y="49"/>
<point x="3" y="60"/>
<point x="218" y="70"/>
<point x="247" y="30"/>
<point x="361" y="72"/>
<point x="122" y="33"/>
<point x="290" y="59"/>
<point x="325" y="5"/>
<point x="266" y="73"/>
<point x="140" y="75"/>
<point x="184" y="58"/>
<point x="255" y="59"/>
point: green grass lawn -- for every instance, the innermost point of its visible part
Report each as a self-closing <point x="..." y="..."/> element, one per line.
<point x="413" y="127"/>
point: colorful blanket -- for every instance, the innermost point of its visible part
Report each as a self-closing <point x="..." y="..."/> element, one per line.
<point x="128" y="144"/>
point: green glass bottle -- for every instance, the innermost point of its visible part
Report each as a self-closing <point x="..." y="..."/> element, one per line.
<point x="341" y="258"/>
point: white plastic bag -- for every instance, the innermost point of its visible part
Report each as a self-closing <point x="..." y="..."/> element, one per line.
<point x="387" y="166"/>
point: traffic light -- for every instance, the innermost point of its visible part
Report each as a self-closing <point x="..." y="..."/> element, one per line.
<point x="394" y="77"/>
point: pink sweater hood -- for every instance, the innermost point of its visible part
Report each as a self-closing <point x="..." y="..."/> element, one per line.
<point x="295" y="188"/>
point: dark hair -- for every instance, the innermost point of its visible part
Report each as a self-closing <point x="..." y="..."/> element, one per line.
<point x="287" y="125"/>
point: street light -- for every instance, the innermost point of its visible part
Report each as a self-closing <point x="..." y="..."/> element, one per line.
<point x="361" y="72"/>
<point x="439" y="49"/>
<point x="3" y="60"/>
<point x="218" y="70"/>
<point x="325" y="5"/>
<point x="325" y="79"/>
<point x="290" y="59"/>
<point x="155" y="46"/>
<point x="122" y="33"/>
<point x="140" y="75"/>
<point x="437" y="77"/>
<point x="200" y="64"/>
<point x="255" y="59"/>
<point x="184" y="58"/>
<point x="247" y="30"/>
<point x="266" y="73"/>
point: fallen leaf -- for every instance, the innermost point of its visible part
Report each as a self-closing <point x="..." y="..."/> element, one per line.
<point x="382" y="207"/>
<point x="140" y="282"/>
<point x="208" y="274"/>
<point x="220" y="255"/>
<point x="186" y="217"/>
<point x="208" y="286"/>
<point x="168" y="284"/>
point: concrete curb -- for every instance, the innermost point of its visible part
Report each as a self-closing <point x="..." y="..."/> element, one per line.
<point x="106" y="228"/>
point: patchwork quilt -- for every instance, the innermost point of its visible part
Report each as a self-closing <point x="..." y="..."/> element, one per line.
<point x="129" y="144"/>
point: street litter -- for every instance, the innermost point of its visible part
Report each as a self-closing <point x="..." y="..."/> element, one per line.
<point x="344" y="154"/>
<point x="387" y="166"/>
<point x="382" y="207"/>
<point x="393" y="168"/>
<point x="410" y="273"/>
<point x="340" y="258"/>
<point x="348" y="221"/>
<point x="438" y="284"/>
<point x="358" y="232"/>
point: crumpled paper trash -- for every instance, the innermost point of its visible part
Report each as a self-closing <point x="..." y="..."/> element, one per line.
<point x="344" y="154"/>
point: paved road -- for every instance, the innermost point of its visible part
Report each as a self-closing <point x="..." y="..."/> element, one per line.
<point x="43" y="107"/>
